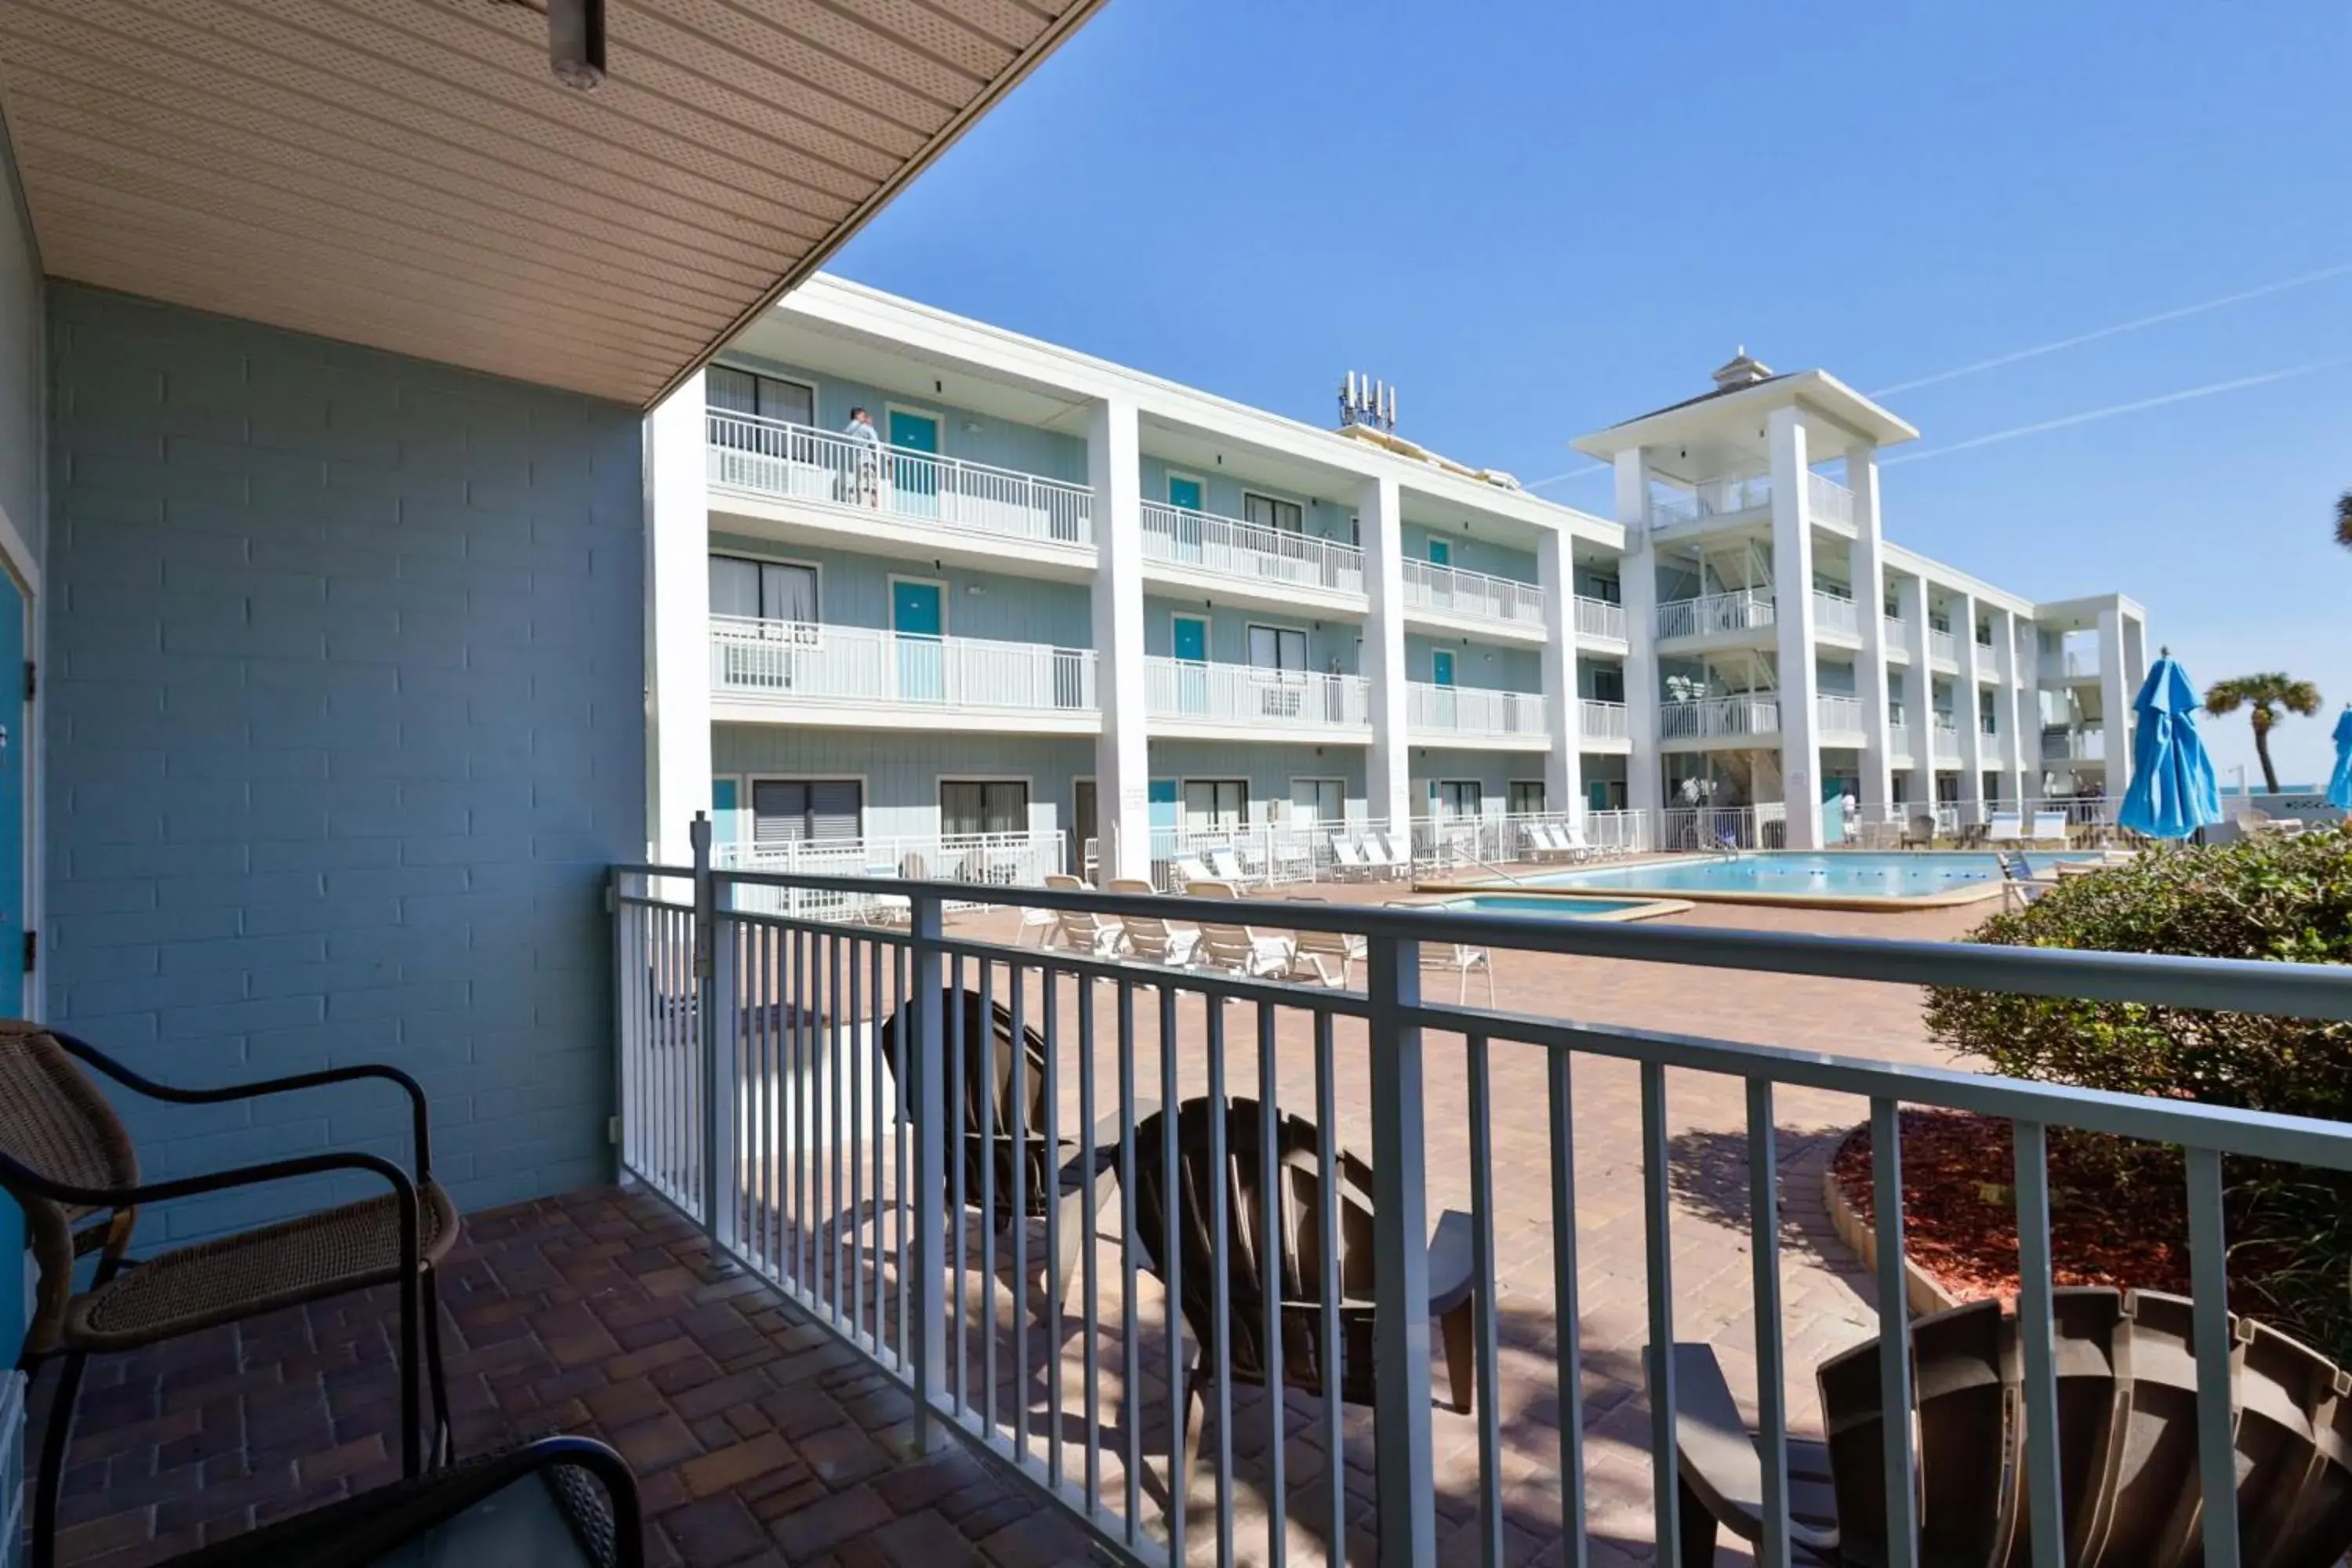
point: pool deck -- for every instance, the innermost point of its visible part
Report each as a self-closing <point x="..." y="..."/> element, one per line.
<point x="1859" y="903"/>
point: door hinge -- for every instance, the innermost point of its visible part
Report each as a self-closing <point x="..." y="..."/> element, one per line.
<point x="32" y="950"/>
<point x="32" y="680"/>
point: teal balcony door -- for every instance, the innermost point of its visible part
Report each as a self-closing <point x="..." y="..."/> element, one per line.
<point x="1441" y="675"/>
<point x="915" y="475"/>
<point x="1186" y="493"/>
<point x="1441" y="552"/>
<point x="918" y="620"/>
<point x="1189" y="637"/>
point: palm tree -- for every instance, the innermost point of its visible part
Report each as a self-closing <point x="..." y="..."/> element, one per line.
<point x="2263" y="696"/>
<point x="2344" y="519"/>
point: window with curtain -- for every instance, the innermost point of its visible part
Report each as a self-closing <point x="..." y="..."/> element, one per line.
<point x="730" y="391"/>
<point x="1527" y="798"/>
<point x="763" y="590"/>
<point x="787" y="811"/>
<point x="1267" y="512"/>
<point x="1455" y="799"/>
<point x="1278" y="648"/>
<point x="983" y="805"/>
<point x="1217" y="802"/>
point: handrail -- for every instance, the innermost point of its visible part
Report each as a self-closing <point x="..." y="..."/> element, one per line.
<point x="1432" y="586"/>
<point x="1232" y="547"/>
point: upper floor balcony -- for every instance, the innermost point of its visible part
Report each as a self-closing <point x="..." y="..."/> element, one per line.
<point x="1943" y="646"/>
<point x="1899" y="739"/>
<point x="1834" y="616"/>
<point x="886" y="678"/>
<point x="1248" y="552"/>
<point x="1746" y="717"/>
<point x="775" y="460"/>
<point x="1475" y="712"/>
<point x="1826" y="501"/>
<point x="1452" y="593"/>
<point x="1946" y="737"/>
<point x="2074" y="746"/>
<point x="1838" y="715"/>
<point x="1600" y="720"/>
<point x="1714" y="615"/>
<point x="1279" y="702"/>
<point x="1599" y="619"/>
<point x="2072" y="664"/>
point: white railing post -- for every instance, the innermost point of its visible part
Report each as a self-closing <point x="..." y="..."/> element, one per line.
<point x="706" y="1011"/>
<point x="722" y="996"/>
<point x="927" y="1109"/>
<point x="1406" y="1464"/>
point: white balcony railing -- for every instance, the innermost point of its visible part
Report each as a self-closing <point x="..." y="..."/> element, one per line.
<point x="794" y="462"/>
<point x="2074" y="746"/>
<point x="1712" y="498"/>
<point x="1835" y="614"/>
<point x="1946" y="738"/>
<point x="1600" y="720"/>
<point x="1249" y="551"/>
<point x="1828" y="500"/>
<point x="1838" y="715"/>
<point x="1712" y="614"/>
<point x="1473" y="710"/>
<point x="1208" y="693"/>
<point x="795" y="661"/>
<point x="1715" y="717"/>
<point x="1430" y="586"/>
<point x="1600" y="618"/>
<point x="1943" y="646"/>
<point x="2081" y="664"/>
<point x="1899" y="739"/>
<point x="1018" y="860"/>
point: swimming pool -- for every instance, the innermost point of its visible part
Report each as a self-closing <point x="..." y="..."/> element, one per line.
<point x="1924" y="877"/>
<point x="1561" y="909"/>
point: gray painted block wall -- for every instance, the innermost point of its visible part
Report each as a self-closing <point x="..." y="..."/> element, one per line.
<point x="345" y="684"/>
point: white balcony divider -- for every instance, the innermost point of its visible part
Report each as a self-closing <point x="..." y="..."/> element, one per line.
<point x="794" y="462"/>
<point x="1430" y="586"/>
<point x="1835" y="614"/>
<point x="1829" y="499"/>
<point x="1247" y="694"/>
<point x="1896" y="635"/>
<point x="796" y="661"/>
<point x="2074" y="746"/>
<point x="1248" y="551"/>
<point x="1838" y="715"/>
<point x="1711" y="614"/>
<point x="1719" y="717"/>
<point x="1600" y="720"/>
<point x="1712" y="498"/>
<point x="1600" y="618"/>
<point x="1943" y="646"/>
<point x="1472" y="710"/>
<point x="793" y="1086"/>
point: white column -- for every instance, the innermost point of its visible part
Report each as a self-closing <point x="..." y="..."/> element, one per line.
<point x="677" y="531"/>
<point x="2116" y="694"/>
<point x="1792" y="594"/>
<point x="1638" y="586"/>
<point x="1563" y="715"/>
<point x="2134" y="677"/>
<point x="1869" y="603"/>
<point x="2008" y="708"/>
<point x="1388" y="791"/>
<point x="1122" y="752"/>
<point x="1969" y="704"/>
<point x="1918" y="695"/>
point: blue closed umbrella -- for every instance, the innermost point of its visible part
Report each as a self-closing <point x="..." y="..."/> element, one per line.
<point x="2339" y="783"/>
<point x="2173" y="792"/>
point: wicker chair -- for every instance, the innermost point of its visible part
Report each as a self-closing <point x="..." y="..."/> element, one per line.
<point x="67" y="1160"/>
<point x="1297" y="1273"/>
<point x="529" y="1504"/>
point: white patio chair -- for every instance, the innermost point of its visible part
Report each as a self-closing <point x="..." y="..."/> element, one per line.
<point x="1251" y="952"/>
<point x="1572" y="843"/>
<point x="1046" y="923"/>
<point x="1227" y="864"/>
<point x="1151" y="939"/>
<point x="1454" y="958"/>
<point x="2048" y="827"/>
<point x="1400" y="859"/>
<point x="2005" y="827"/>
<point x="1191" y="869"/>
<point x="1327" y="958"/>
<point x="1348" y="863"/>
<point x="1376" y="860"/>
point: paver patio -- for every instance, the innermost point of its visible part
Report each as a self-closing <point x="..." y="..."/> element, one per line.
<point x="758" y="1439"/>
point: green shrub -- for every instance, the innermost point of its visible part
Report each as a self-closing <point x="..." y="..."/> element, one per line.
<point x="2270" y="896"/>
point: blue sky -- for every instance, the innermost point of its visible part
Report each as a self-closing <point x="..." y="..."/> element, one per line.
<point x="1558" y="217"/>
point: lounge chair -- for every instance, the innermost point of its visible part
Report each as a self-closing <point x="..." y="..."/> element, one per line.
<point x="1031" y="1176"/>
<point x="1348" y="863"/>
<point x="1047" y="923"/>
<point x="1571" y="844"/>
<point x="2048" y="827"/>
<point x="2127" y="1440"/>
<point x="1149" y="938"/>
<point x="1536" y="844"/>
<point x="1251" y="952"/>
<point x="1192" y="869"/>
<point x="2005" y="827"/>
<point x="68" y="1160"/>
<point x="2020" y="886"/>
<point x="1246" y="1274"/>
<point x="1227" y="866"/>
<point x="1454" y="958"/>
<point x="1326" y="957"/>
<point x="1377" y="859"/>
<point x="1400" y="859"/>
<point x="1921" y="833"/>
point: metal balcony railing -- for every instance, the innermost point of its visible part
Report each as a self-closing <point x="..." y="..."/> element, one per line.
<point x="1714" y="717"/>
<point x="1473" y="710"/>
<point x="1828" y="500"/>
<point x="1838" y="715"/>
<point x="1710" y="499"/>
<point x="1835" y="614"/>
<point x="2074" y="746"/>
<point x="1430" y="586"/>
<point x="1182" y="688"/>
<point x="801" y="662"/>
<point x="1598" y="721"/>
<point x="1712" y="614"/>
<point x="794" y="462"/>
<point x="802" y="1089"/>
<point x="1600" y="618"/>
<point x="1945" y="738"/>
<point x="1943" y="646"/>
<point x="1249" y="551"/>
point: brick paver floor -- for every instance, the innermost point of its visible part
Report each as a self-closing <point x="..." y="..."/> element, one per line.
<point x="760" y="1440"/>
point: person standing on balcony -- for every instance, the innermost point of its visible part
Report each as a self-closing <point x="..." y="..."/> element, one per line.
<point x="866" y="443"/>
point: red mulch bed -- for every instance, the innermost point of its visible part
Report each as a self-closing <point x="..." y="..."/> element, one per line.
<point x="1960" y="1220"/>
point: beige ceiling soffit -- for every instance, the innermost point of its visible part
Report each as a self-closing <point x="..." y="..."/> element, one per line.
<point x="1045" y="44"/>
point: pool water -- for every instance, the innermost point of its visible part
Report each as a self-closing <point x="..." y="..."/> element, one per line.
<point x="1846" y="874"/>
<point x="1553" y="909"/>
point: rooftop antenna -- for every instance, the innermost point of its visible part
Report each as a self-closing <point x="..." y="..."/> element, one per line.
<point x="1364" y="400"/>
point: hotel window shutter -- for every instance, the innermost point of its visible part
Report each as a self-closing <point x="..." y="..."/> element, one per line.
<point x="779" y="810"/>
<point x="833" y="809"/>
<point x="730" y="391"/>
<point x="734" y="586"/>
